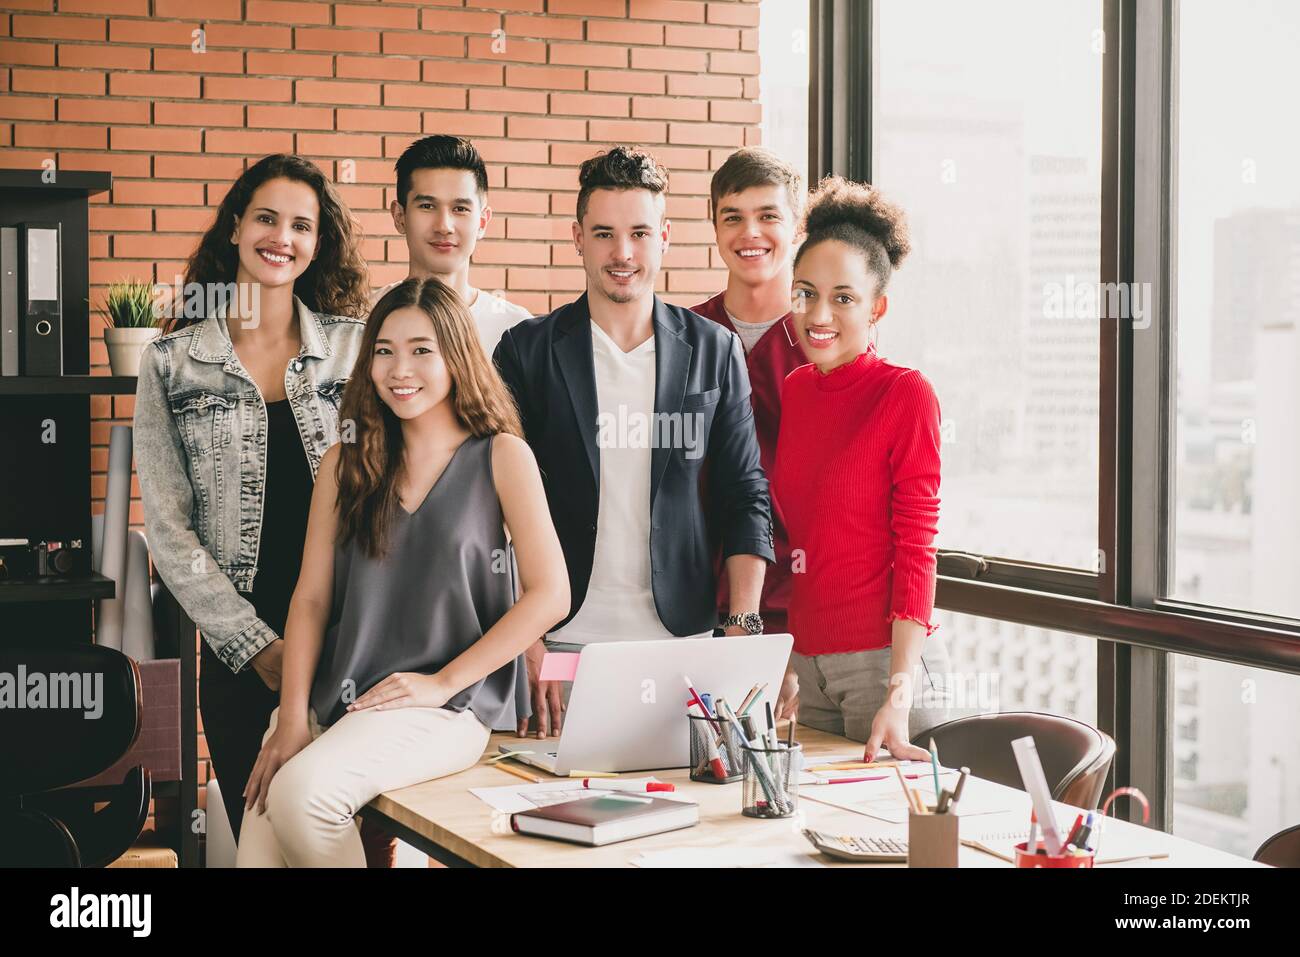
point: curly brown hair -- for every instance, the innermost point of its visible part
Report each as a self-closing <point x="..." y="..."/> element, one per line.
<point x="622" y="167"/>
<point x="368" y="469"/>
<point x="857" y="214"/>
<point x="335" y="283"/>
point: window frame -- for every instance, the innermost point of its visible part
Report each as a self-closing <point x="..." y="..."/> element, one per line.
<point x="1123" y="605"/>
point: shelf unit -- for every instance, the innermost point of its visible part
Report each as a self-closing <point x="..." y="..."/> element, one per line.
<point x="67" y="385"/>
<point x="45" y="488"/>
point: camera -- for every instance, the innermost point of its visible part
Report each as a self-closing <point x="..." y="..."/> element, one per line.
<point x="19" y="558"/>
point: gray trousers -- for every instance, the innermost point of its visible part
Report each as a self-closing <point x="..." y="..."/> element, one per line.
<point x="840" y="694"/>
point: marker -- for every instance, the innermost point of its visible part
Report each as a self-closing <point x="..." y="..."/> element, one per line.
<point x="700" y="701"/>
<point x="631" y="787"/>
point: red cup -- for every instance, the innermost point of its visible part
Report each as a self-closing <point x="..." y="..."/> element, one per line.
<point x="1024" y="858"/>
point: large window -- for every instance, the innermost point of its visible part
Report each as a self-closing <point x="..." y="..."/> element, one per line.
<point x="1236" y="449"/>
<point x="783" y="49"/>
<point x="986" y="128"/>
<point x="1236" y="756"/>
<point x="1003" y="666"/>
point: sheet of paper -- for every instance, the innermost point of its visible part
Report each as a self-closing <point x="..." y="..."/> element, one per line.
<point x="708" y="857"/>
<point x="512" y="798"/>
<point x="883" y="799"/>
<point x="559" y="666"/>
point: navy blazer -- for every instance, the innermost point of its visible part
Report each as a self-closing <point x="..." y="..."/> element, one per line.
<point x="699" y="370"/>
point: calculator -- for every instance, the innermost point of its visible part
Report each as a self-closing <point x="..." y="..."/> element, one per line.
<point x="850" y="847"/>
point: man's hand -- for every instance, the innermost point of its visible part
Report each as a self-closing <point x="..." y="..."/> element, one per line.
<point x="787" y="702"/>
<point x="267" y="663"/>
<point x="547" y="696"/>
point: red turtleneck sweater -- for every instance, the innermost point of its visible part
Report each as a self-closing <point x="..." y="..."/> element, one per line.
<point x="857" y="478"/>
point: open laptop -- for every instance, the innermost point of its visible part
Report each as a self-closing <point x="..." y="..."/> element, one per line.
<point x="627" y="709"/>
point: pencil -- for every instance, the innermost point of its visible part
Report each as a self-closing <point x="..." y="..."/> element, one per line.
<point x="907" y="792"/>
<point x="518" y="772"/>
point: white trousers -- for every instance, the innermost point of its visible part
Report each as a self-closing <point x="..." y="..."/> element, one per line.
<point x="313" y="798"/>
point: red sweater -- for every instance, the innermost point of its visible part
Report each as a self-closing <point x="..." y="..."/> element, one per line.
<point x="776" y="354"/>
<point x="857" y="476"/>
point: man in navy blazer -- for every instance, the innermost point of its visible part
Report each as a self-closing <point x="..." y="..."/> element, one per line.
<point x="627" y="402"/>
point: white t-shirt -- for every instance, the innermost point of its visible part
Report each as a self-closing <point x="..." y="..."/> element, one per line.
<point x="620" y="604"/>
<point x="492" y="315"/>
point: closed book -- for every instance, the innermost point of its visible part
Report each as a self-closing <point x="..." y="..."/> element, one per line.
<point x="9" y="321"/>
<point x="607" y="819"/>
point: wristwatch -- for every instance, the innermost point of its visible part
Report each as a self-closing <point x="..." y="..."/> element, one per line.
<point x="751" y="621"/>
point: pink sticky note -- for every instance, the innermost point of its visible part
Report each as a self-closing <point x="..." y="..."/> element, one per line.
<point x="558" y="666"/>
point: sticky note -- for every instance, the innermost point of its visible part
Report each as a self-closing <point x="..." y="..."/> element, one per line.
<point x="558" y="666"/>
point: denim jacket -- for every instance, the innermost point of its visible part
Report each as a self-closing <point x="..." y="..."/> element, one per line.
<point x="200" y="451"/>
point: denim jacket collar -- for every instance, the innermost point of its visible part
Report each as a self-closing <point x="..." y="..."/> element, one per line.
<point x="212" y="343"/>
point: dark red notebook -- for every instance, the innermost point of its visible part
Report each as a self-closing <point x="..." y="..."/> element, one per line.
<point x="606" y="819"/>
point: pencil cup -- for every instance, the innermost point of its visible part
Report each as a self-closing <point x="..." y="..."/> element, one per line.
<point x="1025" y="859"/>
<point x="771" y="787"/>
<point x="715" y="747"/>
<point x="932" y="839"/>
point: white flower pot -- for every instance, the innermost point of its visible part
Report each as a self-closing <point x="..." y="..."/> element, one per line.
<point x="126" y="346"/>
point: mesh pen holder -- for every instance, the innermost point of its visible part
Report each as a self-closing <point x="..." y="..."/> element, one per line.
<point x="715" y="751"/>
<point x="771" y="787"/>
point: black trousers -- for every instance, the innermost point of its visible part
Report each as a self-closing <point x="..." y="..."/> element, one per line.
<point x="236" y="711"/>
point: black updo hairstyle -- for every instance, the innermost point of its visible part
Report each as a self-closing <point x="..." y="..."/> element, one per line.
<point x="856" y="214"/>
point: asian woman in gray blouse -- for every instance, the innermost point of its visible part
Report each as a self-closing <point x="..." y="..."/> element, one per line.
<point x="403" y="647"/>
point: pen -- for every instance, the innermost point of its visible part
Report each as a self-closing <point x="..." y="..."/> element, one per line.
<point x="753" y="700"/>
<point x="707" y="700"/>
<point x="872" y="777"/>
<point x="592" y="774"/>
<point x="745" y="701"/>
<point x="944" y="798"/>
<point x="518" y="772"/>
<point x="1074" y="829"/>
<point x="1085" y="832"/>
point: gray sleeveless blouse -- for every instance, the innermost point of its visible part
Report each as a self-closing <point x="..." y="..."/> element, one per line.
<point x="445" y="580"/>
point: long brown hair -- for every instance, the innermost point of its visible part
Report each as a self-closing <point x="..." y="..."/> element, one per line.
<point x="368" y="469"/>
<point x="335" y="283"/>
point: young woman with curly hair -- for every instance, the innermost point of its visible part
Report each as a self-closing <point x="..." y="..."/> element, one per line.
<point x="236" y="404"/>
<point x="857" y="478"/>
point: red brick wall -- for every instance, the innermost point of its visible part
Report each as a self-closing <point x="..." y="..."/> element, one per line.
<point x="116" y="85"/>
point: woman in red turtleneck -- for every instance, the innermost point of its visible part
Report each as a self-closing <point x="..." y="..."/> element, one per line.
<point x="857" y="478"/>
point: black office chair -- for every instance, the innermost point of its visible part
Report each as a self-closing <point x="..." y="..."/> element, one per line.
<point x="1075" y="756"/>
<point x="1282" y="849"/>
<point x="43" y="749"/>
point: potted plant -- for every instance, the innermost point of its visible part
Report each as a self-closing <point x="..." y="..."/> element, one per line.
<point x="131" y="323"/>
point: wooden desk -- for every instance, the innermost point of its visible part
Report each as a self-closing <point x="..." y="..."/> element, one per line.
<point x="444" y="820"/>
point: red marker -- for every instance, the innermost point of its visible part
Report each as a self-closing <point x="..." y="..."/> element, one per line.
<point x="613" y="784"/>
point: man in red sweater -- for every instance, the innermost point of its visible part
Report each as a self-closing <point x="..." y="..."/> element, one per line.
<point x="756" y="200"/>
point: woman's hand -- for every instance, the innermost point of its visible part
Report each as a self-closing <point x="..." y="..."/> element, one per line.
<point x="404" y="689"/>
<point x="889" y="727"/>
<point x="288" y="739"/>
<point x="787" y="701"/>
